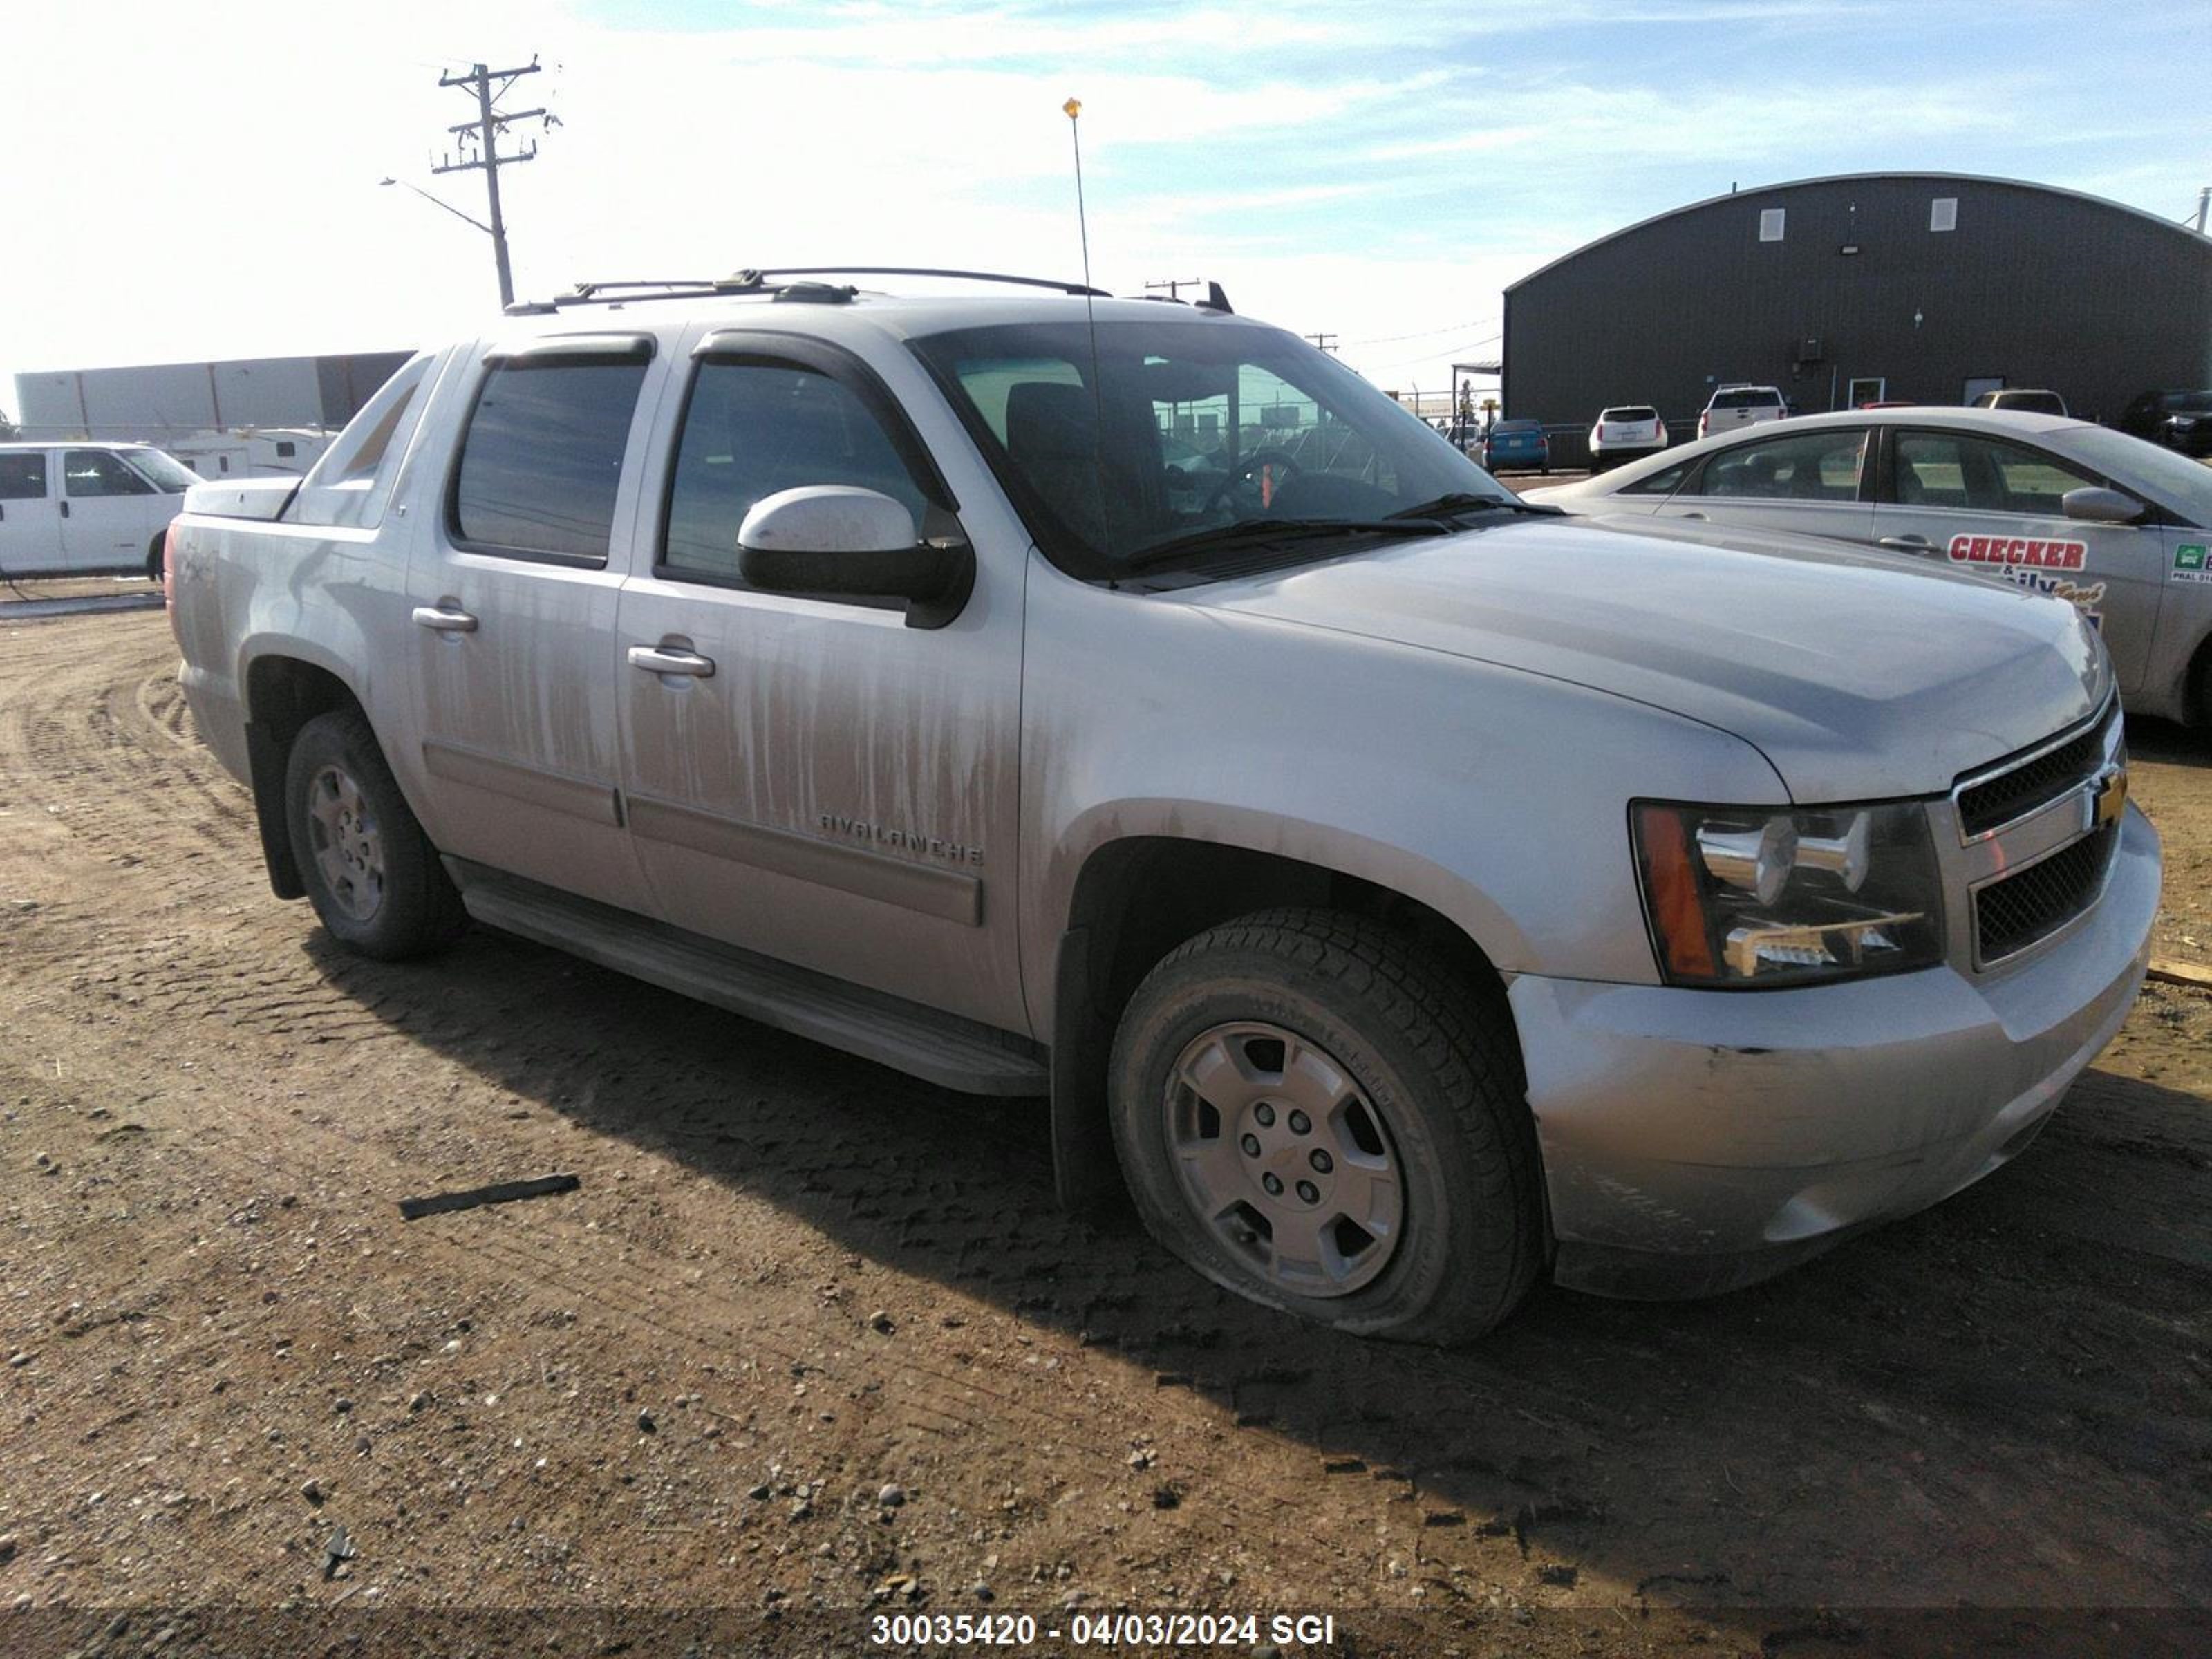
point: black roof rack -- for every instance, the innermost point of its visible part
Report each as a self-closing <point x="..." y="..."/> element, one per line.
<point x="757" y="281"/>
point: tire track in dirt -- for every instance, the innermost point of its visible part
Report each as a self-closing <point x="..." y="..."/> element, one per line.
<point x="762" y="1172"/>
<point x="111" y="738"/>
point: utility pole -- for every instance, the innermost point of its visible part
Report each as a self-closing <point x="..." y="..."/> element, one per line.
<point x="485" y="132"/>
<point x="1175" y="286"/>
<point x="2203" y="201"/>
<point x="1326" y="342"/>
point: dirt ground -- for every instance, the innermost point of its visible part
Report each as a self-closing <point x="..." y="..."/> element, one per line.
<point x="810" y="1340"/>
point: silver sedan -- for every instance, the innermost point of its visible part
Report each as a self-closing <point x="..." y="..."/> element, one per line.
<point x="2120" y="527"/>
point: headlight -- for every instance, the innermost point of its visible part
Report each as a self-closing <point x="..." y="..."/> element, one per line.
<point x="1753" y="895"/>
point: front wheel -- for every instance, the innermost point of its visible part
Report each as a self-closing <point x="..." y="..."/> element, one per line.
<point x="1313" y="1115"/>
<point x="369" y="871"/>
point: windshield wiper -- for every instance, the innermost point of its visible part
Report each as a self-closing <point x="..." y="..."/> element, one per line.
<point x="1247" y="532"/>
<point x="1461" y="501"/>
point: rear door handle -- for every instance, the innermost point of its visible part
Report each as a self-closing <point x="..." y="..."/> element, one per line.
<point x="65" y="509"/>
<point x="438" y="619"/>
<point x="1907" y="544"/>
<point x="666" y="660"/>
<point x="1693" y="515"/>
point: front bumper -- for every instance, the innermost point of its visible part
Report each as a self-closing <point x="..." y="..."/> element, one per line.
<point x="1694" y="1141"/>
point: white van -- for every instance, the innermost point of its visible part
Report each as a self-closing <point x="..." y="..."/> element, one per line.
<point x="71" y="507"/>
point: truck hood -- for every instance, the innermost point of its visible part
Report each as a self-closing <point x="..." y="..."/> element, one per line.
<point x="1858" y="674"/>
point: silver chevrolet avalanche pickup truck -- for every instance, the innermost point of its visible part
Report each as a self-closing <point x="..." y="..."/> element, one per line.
<point x="1405" y="892"/>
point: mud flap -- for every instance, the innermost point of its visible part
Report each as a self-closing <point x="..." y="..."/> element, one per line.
<point x="266" y="760"/>
<point x="1086" y="1175"/>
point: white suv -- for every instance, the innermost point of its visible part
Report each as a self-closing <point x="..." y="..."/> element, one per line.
<point x="1732" y="406"/>
<point x="1623" y="433"/>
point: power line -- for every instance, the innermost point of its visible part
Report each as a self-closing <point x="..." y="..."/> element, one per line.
<point x="1441" y="351"/>
<point x="485" y="131"/>
<point x="1423" y="333"/>
<point x="1326" y="342"/>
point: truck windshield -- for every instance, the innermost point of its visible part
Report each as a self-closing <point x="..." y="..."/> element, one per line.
<point x="1191" y="424"/>
<point x="164" y="470"/>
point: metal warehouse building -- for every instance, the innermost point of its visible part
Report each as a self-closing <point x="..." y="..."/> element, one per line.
<point x="1933" y="286"/>
<point x="164" y="400"/>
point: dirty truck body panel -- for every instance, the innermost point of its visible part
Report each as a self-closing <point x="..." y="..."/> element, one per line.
<point x="1463" y="723"/>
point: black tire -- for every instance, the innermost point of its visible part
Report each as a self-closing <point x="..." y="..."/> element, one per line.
<point x="411" y="907"/>
<point x="1436" y="1064"/>
<point x="157" y="557"/>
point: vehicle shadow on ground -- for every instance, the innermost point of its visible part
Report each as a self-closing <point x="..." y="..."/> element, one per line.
<point x="1965" y="1407"/>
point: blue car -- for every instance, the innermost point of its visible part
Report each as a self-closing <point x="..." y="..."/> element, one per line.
<point x="1517" y="444"/>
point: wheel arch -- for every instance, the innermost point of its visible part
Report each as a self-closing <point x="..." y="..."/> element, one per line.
<point x="2196" y="686"/>
<point x="283" y="692"/>
<point x="1137" y="897"/>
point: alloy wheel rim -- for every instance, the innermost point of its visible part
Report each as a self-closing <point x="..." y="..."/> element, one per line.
<point x="346" y="843"/>
<point x="1285" y="1157"/>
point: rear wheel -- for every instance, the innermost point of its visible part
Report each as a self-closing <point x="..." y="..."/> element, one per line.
<point x="369" y="871"/>
<point x="1313" y="1115"/>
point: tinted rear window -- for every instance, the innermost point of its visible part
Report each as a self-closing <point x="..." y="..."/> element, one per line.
<point x="23" y="477"/>
<point x="1632" y="412"/>
<point x="1745" y="400"/>
<point x="544" y="456"/>
<point x="1517" y="428"/>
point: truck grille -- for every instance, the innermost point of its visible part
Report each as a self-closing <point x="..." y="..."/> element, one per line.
<point x="2011" y="913"/>
<point x="2036" y="782"/>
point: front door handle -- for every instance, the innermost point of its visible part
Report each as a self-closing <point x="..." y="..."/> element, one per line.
<point x="666" y="660"/>
<point x="1907" y="544"/>
<point x="65" y="509"/>
<point x="441" y="619"/>
<point x="1700" y="516"/>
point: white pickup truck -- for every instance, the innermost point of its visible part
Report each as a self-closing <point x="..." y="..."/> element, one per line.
<point x="1405" y="892"/>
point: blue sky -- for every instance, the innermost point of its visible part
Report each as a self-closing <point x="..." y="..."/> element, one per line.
<point x="1376" y="171"/>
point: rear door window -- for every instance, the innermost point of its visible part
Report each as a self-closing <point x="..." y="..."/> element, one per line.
<point x="541" y="461"/>
<point x="1812" y="466"/>
<point x="22" y="478"/>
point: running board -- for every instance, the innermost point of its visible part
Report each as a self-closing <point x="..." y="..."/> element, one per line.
<point x="938" y="1047"/>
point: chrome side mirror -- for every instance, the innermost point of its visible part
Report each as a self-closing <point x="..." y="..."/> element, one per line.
<point x="841" y="541"/>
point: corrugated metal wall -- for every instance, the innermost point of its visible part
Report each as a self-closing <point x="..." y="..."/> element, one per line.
<point x="2042" y="288"/>
<point x="150" y="402"/>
